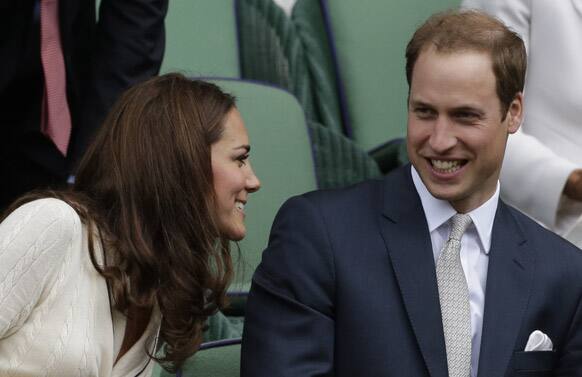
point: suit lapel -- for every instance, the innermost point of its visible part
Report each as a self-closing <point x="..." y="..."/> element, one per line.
<point x="509" y="280"/>
<point x="405" y="233"/>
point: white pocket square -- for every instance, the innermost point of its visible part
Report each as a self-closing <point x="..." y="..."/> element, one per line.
<point x="538" y="341"/>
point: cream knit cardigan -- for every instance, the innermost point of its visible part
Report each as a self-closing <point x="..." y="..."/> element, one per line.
<point x="55" y="314"/>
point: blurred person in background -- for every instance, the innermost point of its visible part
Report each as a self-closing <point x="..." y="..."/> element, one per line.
<point x="542" y="171"/>
<point x="137" y="249"/>
<point x="62" y="69"/>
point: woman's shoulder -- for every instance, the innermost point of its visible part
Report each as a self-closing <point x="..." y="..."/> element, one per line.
<point x="39" y="253"/>
<point x="47" y="222"/>
<point x="50" y="209"/>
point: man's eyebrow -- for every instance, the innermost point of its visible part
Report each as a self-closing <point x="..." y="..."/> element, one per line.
<point x="418" y="103"/>
<point x="468" y="108"/>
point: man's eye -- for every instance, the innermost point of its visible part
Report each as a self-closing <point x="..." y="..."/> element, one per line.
<point x="424" y="113"/>
<point x="466" y="116"/>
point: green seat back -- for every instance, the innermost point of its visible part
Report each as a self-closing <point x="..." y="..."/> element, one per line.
<point x="370" y="38"/>
<point x="281" y="156"/>
<point x="339" y="161"/>
<point x="201" y="38"/>
<point x="290" y="53"/>
<point x="294" y="53"/>
<point x="219" y="360"/>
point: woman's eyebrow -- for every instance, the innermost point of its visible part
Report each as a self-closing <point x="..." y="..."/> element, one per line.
<point x="244" y="146"/>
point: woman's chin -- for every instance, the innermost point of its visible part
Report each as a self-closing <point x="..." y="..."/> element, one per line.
<point x="235" y="234"/>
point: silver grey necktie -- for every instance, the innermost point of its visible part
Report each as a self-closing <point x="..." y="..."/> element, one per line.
<point x="454" y="300"/>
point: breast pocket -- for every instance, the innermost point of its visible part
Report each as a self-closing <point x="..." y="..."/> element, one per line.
<point x="534" y="363"/>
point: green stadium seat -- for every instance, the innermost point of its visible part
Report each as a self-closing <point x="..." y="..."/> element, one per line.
<point x="275" y="49"/>
<point x="201" y="38"/>
<point x="293" y="54"/>
<point x="214" y="359"/>
<point x="368" y="39"/>
<point x="339" y="161"/>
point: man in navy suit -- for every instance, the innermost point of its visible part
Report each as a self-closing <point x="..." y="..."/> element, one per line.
<point x="352" y="282"/>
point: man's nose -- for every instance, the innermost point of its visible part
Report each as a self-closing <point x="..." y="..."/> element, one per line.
<point x="442" y="137"/>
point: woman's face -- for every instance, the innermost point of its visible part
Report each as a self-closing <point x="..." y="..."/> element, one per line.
<point x="233" y="176"/>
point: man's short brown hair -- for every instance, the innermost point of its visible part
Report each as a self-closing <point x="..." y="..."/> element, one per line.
<point x="470" y="30"/>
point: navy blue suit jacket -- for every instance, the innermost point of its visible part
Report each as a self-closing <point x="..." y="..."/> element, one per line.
<point x="347" y="287"/>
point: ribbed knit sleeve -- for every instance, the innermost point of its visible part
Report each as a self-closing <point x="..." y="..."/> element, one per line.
<point x="34" y="241"/>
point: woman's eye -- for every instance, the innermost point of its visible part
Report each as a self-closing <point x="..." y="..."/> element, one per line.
<point x="242" y="160"/>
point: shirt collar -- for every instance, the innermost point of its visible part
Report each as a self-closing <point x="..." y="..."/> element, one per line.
<point x="439" y="211"/>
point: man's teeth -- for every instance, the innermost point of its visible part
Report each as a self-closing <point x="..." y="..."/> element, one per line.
<point x="446" y="166"/>
<point x="240" y="206"/>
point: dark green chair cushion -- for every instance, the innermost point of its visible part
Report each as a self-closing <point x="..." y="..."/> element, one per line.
<point x="290" y="53"/>
<point x="294" y="54"/>
<point x="214" y="359"/>
<point x="339" y="162"/>
<point x="220" y="327"/>
<point x="390" y="155"/>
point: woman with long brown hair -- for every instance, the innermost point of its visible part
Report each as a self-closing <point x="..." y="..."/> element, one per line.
<point x="137" y="249"/>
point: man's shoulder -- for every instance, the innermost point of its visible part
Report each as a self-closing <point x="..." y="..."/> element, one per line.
<point x="369" y="191"/>
<point x="345" y="195"/>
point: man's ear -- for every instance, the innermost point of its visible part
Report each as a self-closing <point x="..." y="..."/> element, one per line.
<point x="515" y="113"/>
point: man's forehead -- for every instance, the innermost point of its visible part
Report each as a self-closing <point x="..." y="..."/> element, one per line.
<point x="459" y="79"/>
<point x="439" y="51"/>
<point x="454" y="102"/>
<point x="468" y="64"/>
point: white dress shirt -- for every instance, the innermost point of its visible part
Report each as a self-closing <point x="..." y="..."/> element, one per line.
<point x="475" y="246"/>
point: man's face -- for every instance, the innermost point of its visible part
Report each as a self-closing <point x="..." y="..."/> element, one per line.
<point x="456" y="136"/>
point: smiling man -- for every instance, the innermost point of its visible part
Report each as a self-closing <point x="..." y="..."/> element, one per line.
<point x="457" y="126"/>
<point x="426" y="272"/>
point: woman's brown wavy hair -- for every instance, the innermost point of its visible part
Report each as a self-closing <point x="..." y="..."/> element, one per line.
<point x="145" y="184"/>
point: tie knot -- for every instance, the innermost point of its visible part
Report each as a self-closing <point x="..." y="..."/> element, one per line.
<point x="460" y="223"/>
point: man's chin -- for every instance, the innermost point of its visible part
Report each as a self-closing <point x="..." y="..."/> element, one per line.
<point x="448" y="193"/>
